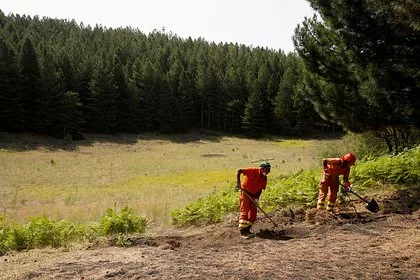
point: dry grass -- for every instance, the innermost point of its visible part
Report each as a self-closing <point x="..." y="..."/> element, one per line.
<point x="152" y="175"/>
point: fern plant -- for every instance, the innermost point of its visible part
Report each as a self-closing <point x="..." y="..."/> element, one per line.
<point x="123" y="222"/>
<point x="301" y="188"/>
<point x="207" y="210"/>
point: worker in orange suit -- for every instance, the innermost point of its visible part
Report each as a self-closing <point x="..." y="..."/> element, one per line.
<point x="333" y="168"/>
<point x="255" y="181"/>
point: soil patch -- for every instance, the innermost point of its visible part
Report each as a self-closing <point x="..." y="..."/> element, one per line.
<point x="309" y="244"/>
<point x="214" y="155"/>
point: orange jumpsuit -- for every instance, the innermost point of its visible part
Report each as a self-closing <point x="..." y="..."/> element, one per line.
<point x="330" y="181"/>
<point x="253" y="184"/>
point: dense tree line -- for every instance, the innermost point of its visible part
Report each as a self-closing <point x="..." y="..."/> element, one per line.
<point x="356" y="67"/>
<point x="362" y="65"/>
<point x="62" y="78"/>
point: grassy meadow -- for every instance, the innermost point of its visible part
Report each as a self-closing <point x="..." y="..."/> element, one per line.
<point x="151" y="174"/>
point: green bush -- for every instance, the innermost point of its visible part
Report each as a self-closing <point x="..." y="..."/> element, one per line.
<point x="44" y="232"/>
<point x="300" y="188"/>
<point x="403" y="169"/>
<point x="4" y="231"/>
<point x="18" y="238"/>
<point x="41" y="232"/>
<point x="369" y="145"/>
<point x="207" y="210"/>
<point x="38" y="233"/>
<point x="123" y="222"/>
<point x="68" y="232"/>
<point x="365" y="145"/>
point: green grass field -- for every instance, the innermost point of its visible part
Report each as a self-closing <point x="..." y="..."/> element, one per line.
<point x="151" y="174"/>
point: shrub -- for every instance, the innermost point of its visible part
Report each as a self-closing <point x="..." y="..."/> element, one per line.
<point x="4" y="230"/>
<point x="300" y="188"/>
<point x="365" y="145"/>
<point x="68" y="232"/>
<point x="401" y="169"/>
<point x="123" y="222"/>
<point x="207" y="210"/>
<point x="18" y="238"/>
<point x="38" y="233"/>
<point x="43" y="232"/>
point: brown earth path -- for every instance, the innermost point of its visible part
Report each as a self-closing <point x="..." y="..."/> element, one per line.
<point x="308" y="245"/>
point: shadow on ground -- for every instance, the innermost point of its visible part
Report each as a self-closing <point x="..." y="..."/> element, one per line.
<point x="27" y="141"/>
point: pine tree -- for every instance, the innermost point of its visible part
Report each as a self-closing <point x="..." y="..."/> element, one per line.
<point x="186" y="101"/>
<point x="234" y="91"/>
<point x="170" y="105"/>
<point x="150" y="96"/>
<point x="294" y="112"/>
<point x="135" y="89"/>
<point x="254" y="119"/>
<point x="29" y="83"/>
<point x="203" y="89"/>
<point x="263" y="79"/>
<point x="104" y="97"/>
<point x="11" y="106"/>
<point x="362" y="61"/>
<point x="123" y="97"/>
<point x="51" y="90"/>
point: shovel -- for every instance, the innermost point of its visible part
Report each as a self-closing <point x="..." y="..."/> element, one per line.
<point x="256" y="204"/>
<point x="372" y="205"/>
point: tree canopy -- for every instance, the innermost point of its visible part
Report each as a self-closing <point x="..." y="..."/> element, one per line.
<point x="59" y="77"/>
<point x="362" y="64"/>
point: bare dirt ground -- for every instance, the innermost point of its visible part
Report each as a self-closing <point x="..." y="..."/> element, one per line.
<point x="308" y="244"/>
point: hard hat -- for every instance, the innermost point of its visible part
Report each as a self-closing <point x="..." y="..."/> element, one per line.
<point x="265" y="164"/>
<point x="349" y="157"/>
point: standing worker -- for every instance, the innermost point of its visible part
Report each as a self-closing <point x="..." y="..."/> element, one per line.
<point x="255" y="181"/>
<point x="333" y="168"/>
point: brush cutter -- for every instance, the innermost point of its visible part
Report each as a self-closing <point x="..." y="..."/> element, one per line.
<point x="372" y="205"/>
<point x="256" y="204"/>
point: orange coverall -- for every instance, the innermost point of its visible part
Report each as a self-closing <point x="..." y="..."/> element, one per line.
<point x="330" y="180"/>
<point x="253" y="184"/>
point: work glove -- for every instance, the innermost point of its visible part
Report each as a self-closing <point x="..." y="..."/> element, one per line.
<point x="347" y="185"/>
<point x="238" y="186"/>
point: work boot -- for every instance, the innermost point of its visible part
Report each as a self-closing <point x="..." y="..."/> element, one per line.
<point x="330" y="210"/>
<point x="246" y="232"/>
